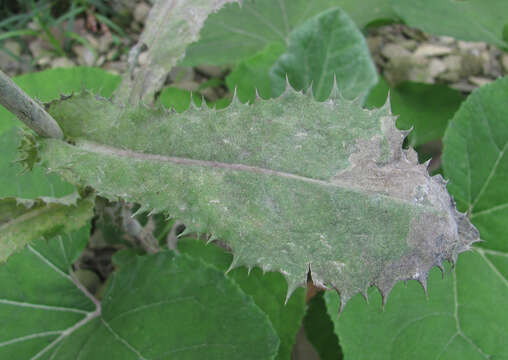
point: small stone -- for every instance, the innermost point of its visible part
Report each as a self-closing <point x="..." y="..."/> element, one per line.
<point x="62" y="62"/>
<point x="409" y="44"/>
<point x="209" y="93"/>
<point x="436" y="67"/>
<point x="143" y="58"/>
<point x="116" y="67"/>
<point x="447" y="40"/>
<point x="479" y="81"/>
<point x="394" y="51"/>
<point x="211" y="70"/>
<point x="178" y="74"/>
<point x="43" y="61"/>
<point x="463" y="86"/>
<point x="141" y="12"/>
<point x="13" y="47"/>
<point x="36" y="48"/>
<point x="504" y="62"/>
<point x="187" y="85"/>
<point x="85" y="55"/>
<point x="93" y="41"/>
<point x="428" y="50"/>
<point x="472" y="47"/>
<point x="100" y="61"/>
<point x="453" y="63"/>
<point x="112" y="55"/>
<point x="471" y="65"/>
<point x="374" y="43"/>
<point x="105" y="42"/>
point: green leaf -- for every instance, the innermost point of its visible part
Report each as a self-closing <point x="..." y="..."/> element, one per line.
<point x="50" y="84"/>
<point x="180" y="100"/>
<point x="291" y="184"/>
<point x="242" y="31"/>
<point x="267" y="290"/>
<point x="471" y="20"/>
<point x="476" y="161"/>
<point x="170" y="27"/>
<point x="325" y="46"/>
<point x="462" y="318"/>
<point x="154" y="307"/>
<point x="319" y="329"/>
<point x="425" y="108"/>
<point x="22" y="221"/>
<point x="254" y="74"/>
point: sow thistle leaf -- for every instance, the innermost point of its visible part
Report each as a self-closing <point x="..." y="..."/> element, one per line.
<point x="22" y="221"/>
<point x="155" y="307"/>
<point x="290" y="184"/>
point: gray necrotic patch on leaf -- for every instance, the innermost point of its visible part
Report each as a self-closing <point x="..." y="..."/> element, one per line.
<point x="290" y="184"/>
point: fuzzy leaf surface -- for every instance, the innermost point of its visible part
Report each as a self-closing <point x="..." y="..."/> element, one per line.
<point x="170" y="27"/>
<point x="475" y="159"/>
<point x="22" y="221"/>
<point x="325" y="46"/>
<point x="472" y="20"/>
<point x="291" y="184"/>
<point x="467" y="306"/>
<point x="152" y="308"/>
<point x="242" y="31"/>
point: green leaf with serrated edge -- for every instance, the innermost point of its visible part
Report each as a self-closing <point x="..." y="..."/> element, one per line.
<point x="476" y="161"/>
<point x="463" y="316"/>
<point x="291" y="184"/>
<point x="22" y="221"/>
<point x="242" y="31"/>
<point x="170" y="27"/>
<point x="45" y="85"/>
<point x="254" y="74"/>
<point x="425" y="108"/>
<point x="325" y="46"/>
<point x="319" y="329"/>
<point x="268" y="291"/>
<point x="154" y="307"/>
<point x="472" y="20"/>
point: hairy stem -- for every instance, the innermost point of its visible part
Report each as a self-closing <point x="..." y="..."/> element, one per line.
<point x="27" y="110"/>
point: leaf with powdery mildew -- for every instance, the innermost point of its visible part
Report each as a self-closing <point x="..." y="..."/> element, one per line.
<point x="290" y="184"/>
<point x="22" y="221"/>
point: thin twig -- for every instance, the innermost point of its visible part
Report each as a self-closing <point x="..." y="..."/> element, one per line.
<point x="27" y="110"/>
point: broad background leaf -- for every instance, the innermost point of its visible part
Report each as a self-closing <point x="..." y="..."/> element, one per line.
<point x="268" y="291"/>
<point x="240" y="32"/>
<point x="475" y="161"/>
<point x="28" y="220"/>
<point x="156" y="306"/>
<point x="325" y="46"/>
<point x="471" y="20"/>
<point x="463" y="317"/>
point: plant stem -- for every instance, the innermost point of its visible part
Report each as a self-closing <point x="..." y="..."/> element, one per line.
<point x="27" y="110"/>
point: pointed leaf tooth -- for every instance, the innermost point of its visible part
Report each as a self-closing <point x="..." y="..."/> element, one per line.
<point x="422" y="280"/>
<point x="293" y="284"/>
<point x="335" y="93"/>
<point x="234" y="263"/>
<point x="309" y="91"/>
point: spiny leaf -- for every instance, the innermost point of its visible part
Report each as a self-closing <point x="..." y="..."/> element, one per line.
<point x="171" y="26"/>
<point x="154" y="307"/>
<point x="290" y="184"/>
<point x="22" y="221"/>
